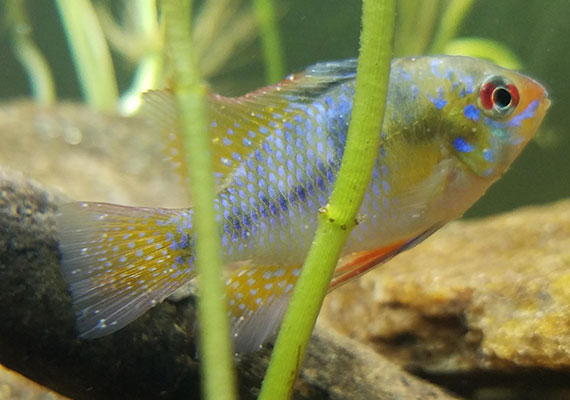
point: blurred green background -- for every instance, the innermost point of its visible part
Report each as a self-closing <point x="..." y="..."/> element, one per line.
<point x="537" y="31"/>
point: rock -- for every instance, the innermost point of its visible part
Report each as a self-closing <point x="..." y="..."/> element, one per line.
<point x="88" y="155"/>
<point x="154" y="357"/>
<point x="14" y="386"/>
<point x="484" y="295"/>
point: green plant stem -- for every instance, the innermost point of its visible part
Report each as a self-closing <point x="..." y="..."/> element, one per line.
<point x="271" y="41"/>
<point x="338" y="218"/>
<point x="90" y="53"/>
<point x="36" y="66"/>
<point x="215" y="349"/>
<point x="450" y="22"/>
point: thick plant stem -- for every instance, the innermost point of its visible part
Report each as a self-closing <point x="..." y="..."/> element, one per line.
<point x="90" y="53"/>
<point x="271" y="41"/>
<point x="218" y="382"/>
<point x="338" y="218"/>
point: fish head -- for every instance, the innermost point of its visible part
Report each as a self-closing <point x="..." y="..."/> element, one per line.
<point x="496" y="115"/>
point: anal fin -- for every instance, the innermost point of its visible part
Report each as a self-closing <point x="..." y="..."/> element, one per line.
<point x="356" y="264"/>
<point x="257" y="299"/>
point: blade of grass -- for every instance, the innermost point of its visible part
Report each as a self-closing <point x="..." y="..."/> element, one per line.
<point x="270" y="39"/>
<point x="29" y="55"/>
<point x="149" y="69"/>
<point x="338" y="218"/>
<point x="450" y="22"/>
<point x="215" y="349"/>
<point x="90" y="53"/>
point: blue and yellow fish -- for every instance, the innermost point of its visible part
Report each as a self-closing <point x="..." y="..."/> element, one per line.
<point x="453" y="125"/>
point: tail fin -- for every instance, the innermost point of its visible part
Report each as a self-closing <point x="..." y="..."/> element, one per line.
<point x="121" y="261"/>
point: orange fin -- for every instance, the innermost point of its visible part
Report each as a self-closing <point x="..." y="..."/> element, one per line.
<point x="257" y="298"/>
<point x="120" y="261"/>
<point x="356" y="264"/>
<point x="359" y="263"/>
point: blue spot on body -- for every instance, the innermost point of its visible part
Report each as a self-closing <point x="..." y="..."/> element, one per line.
<point x="434" y="64"/>
<point x="471" y="112"/>
<point x="438" y="102"/>
<point x="405" y="75"/>
<point x="282" y="202"/>
<point x="415" y="92"/>
<point x="263" y="211"/>
<point x="488" y="155"/>
<point x="310" y="188"/>
<point x="386" y="187"/>
<point x="301" y="193"/>
<point x="320" y="182"/>
<point x="461" y="145"/>
<point x="274" y="210"/>
<point x="375" y="188"/>
<point x="270" y="163"/>
<point x="258" y="155"/>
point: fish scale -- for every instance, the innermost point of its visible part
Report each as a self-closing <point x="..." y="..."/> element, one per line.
<point x="452" y="126"/>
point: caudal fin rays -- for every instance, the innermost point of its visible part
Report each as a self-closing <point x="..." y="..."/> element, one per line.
<point x="119" y="262"/>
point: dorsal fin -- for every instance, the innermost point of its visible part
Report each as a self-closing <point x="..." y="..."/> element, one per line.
<point x="239" y="125"/>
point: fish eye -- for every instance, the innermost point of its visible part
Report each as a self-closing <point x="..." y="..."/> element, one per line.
<point x="498" y="96"/>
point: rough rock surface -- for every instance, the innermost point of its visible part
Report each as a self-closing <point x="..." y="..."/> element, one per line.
<point x="486" y="295"/>
<point x="14" y="386"/>
<point x="154" y="356"/>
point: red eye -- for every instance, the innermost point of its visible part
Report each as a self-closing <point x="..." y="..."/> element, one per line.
<point x="498" y="96"/>
<point x="514" y="95"/>
<point x="486" y="95"/>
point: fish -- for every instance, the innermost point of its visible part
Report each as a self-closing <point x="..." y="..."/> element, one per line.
<point x="452" y="126"/>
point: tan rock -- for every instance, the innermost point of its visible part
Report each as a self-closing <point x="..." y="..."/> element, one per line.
<point x="491" y="293"/>
<point x="14" y="386"/>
